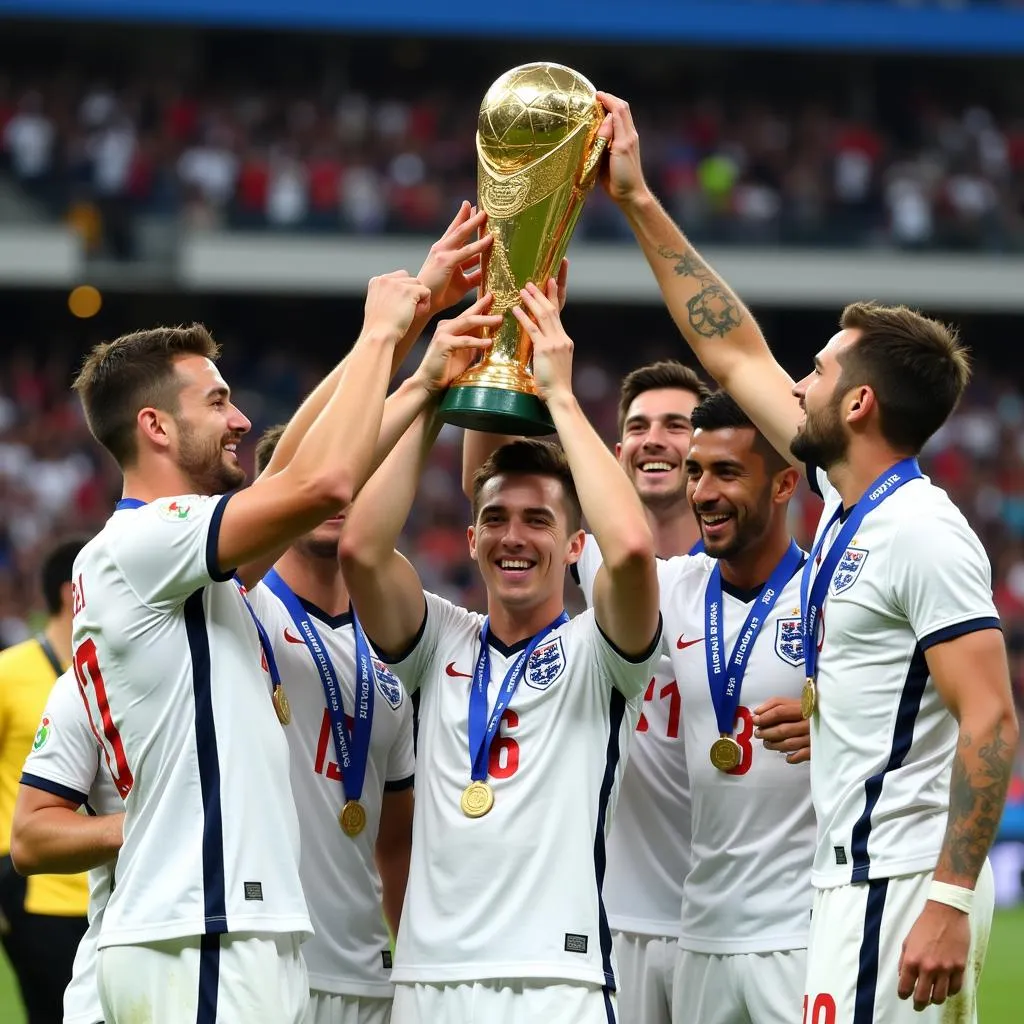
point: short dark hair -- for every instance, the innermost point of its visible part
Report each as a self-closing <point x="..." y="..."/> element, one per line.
<point x="57" y="569"/>
<point x="720" y="411"/>
<point x="120" y="377"/>
<point x="267" y="445"/>
<point x="916" y="367"/>
<point x="668" y="373"/>
<point x="534" y="457"/>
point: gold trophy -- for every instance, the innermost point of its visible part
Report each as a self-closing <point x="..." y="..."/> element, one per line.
<point x="537" y="157"/>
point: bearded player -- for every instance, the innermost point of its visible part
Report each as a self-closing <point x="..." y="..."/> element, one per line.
<point x="913" y="725"/>
<point x="524" y="715"/>
<point x="732" y="625"/>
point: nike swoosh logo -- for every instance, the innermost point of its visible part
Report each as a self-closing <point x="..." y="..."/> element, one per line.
<point x="451" y="670"/>
<point x="683" y="644"/>
<point x="292" y="639"/>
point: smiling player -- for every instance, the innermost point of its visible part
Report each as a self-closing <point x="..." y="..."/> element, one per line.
<point x="524" y="714"/>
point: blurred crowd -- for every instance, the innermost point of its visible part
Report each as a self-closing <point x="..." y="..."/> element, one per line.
<point x="910" y="171"/>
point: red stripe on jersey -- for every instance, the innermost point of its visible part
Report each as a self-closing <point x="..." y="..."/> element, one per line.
<point x="86" y="658"/>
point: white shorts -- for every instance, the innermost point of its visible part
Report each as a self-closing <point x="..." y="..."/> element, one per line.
<point x="857" y="934"/>
<point x="503" y="1002"/>
<point x="326" y="1008"/>
<point x="645" y="965"/>
<point x="209" y="979"/>
<point x="730" y="988"/>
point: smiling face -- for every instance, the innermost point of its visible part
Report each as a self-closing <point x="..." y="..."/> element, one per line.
<point x="208" y="426"/>
<point x="730" y="490"/>
<point x="822" y="438"/>
<point x="655" y="437"/>
<point x="521" y="539"/>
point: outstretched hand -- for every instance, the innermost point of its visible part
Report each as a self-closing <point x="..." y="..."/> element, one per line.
<point x="393" y="301"/>
<point x="622" y="174"/>
<point x="455" y="345"/>
<point x="552" y="347"/>
<point x="452" y="268"/>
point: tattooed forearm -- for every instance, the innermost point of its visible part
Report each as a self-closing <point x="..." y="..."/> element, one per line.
<point x="977" y="793"/>
<point x="714" y="311"/>
<point x="687" y="264"/>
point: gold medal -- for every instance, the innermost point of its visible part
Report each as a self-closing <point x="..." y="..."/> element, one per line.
<point x="281" y="705"/>
<point x="726" y="754"/>
<point x="352" y="818"/>
<point x="477" y="799"/>
<point x="808" y="698"/>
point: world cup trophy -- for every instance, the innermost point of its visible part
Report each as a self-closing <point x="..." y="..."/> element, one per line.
<point x="538" y="153"/>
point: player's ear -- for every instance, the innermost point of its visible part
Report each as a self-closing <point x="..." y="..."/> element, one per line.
<point x="785" y="484"/>
<point x="859" y="403"/>
<point x="471" y="537"/>
<point x="156" y="426"/>
<point x="576" y="542"/>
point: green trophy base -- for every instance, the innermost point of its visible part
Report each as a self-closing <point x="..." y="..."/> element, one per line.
<point x="496" y="411"/>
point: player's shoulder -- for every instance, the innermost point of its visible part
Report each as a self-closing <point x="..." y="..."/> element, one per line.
<point x="453" y="618"/>
<point x="923" y="513"/>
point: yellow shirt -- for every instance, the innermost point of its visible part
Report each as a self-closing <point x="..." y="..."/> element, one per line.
<point x="26" y="678"/>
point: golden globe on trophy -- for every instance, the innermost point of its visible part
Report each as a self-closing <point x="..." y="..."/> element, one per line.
<point x="537" y="157"/>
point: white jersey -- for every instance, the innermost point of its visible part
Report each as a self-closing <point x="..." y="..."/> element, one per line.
<point x="169" y="660"/>
<point x="66" y="761"/>
<point x="748" y="890"/>
<point x="914" y="575"/>
<point x="516" y="893"/>
<point x="649" y="844"/>
<point x="349" y="953"/>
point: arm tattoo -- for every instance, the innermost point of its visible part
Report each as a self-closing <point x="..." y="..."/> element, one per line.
<point x="714" y="311"/>
<point x="688" y="264"/>
<point x="977" y="793"/>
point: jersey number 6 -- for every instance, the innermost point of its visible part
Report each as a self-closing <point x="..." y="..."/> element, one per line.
<point x="504" y="760"/>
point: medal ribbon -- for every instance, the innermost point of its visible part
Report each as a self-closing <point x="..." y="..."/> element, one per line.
<point x="812" y="596"/>
<point x="268" y="651"/>
<point x="726" y="683"/>
<point x="483" y="729"/>
<point x="352" y="749"/>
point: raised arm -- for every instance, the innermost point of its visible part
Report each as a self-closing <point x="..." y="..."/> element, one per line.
<point x="626" y="588"/>
<point x="334" y="458"/>
<point x="450" y="272"/>
<point x="973" y="679"/>
<point x="48" y="836"/>
<point x="385" y="589"/>
<point x="710" y="316"/>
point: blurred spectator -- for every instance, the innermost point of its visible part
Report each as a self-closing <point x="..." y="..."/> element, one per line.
<point x="743" y="159"/>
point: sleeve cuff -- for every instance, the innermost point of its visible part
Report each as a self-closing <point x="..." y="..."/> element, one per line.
<point x="958" y="629"/>
<point x="54" y="788"/>
<point x="213" y="568"/>
<point x="633" y="659"/>
<point x="397" y="785"/>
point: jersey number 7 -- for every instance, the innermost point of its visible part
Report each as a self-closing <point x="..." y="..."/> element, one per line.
<point x="89" y="676"/>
